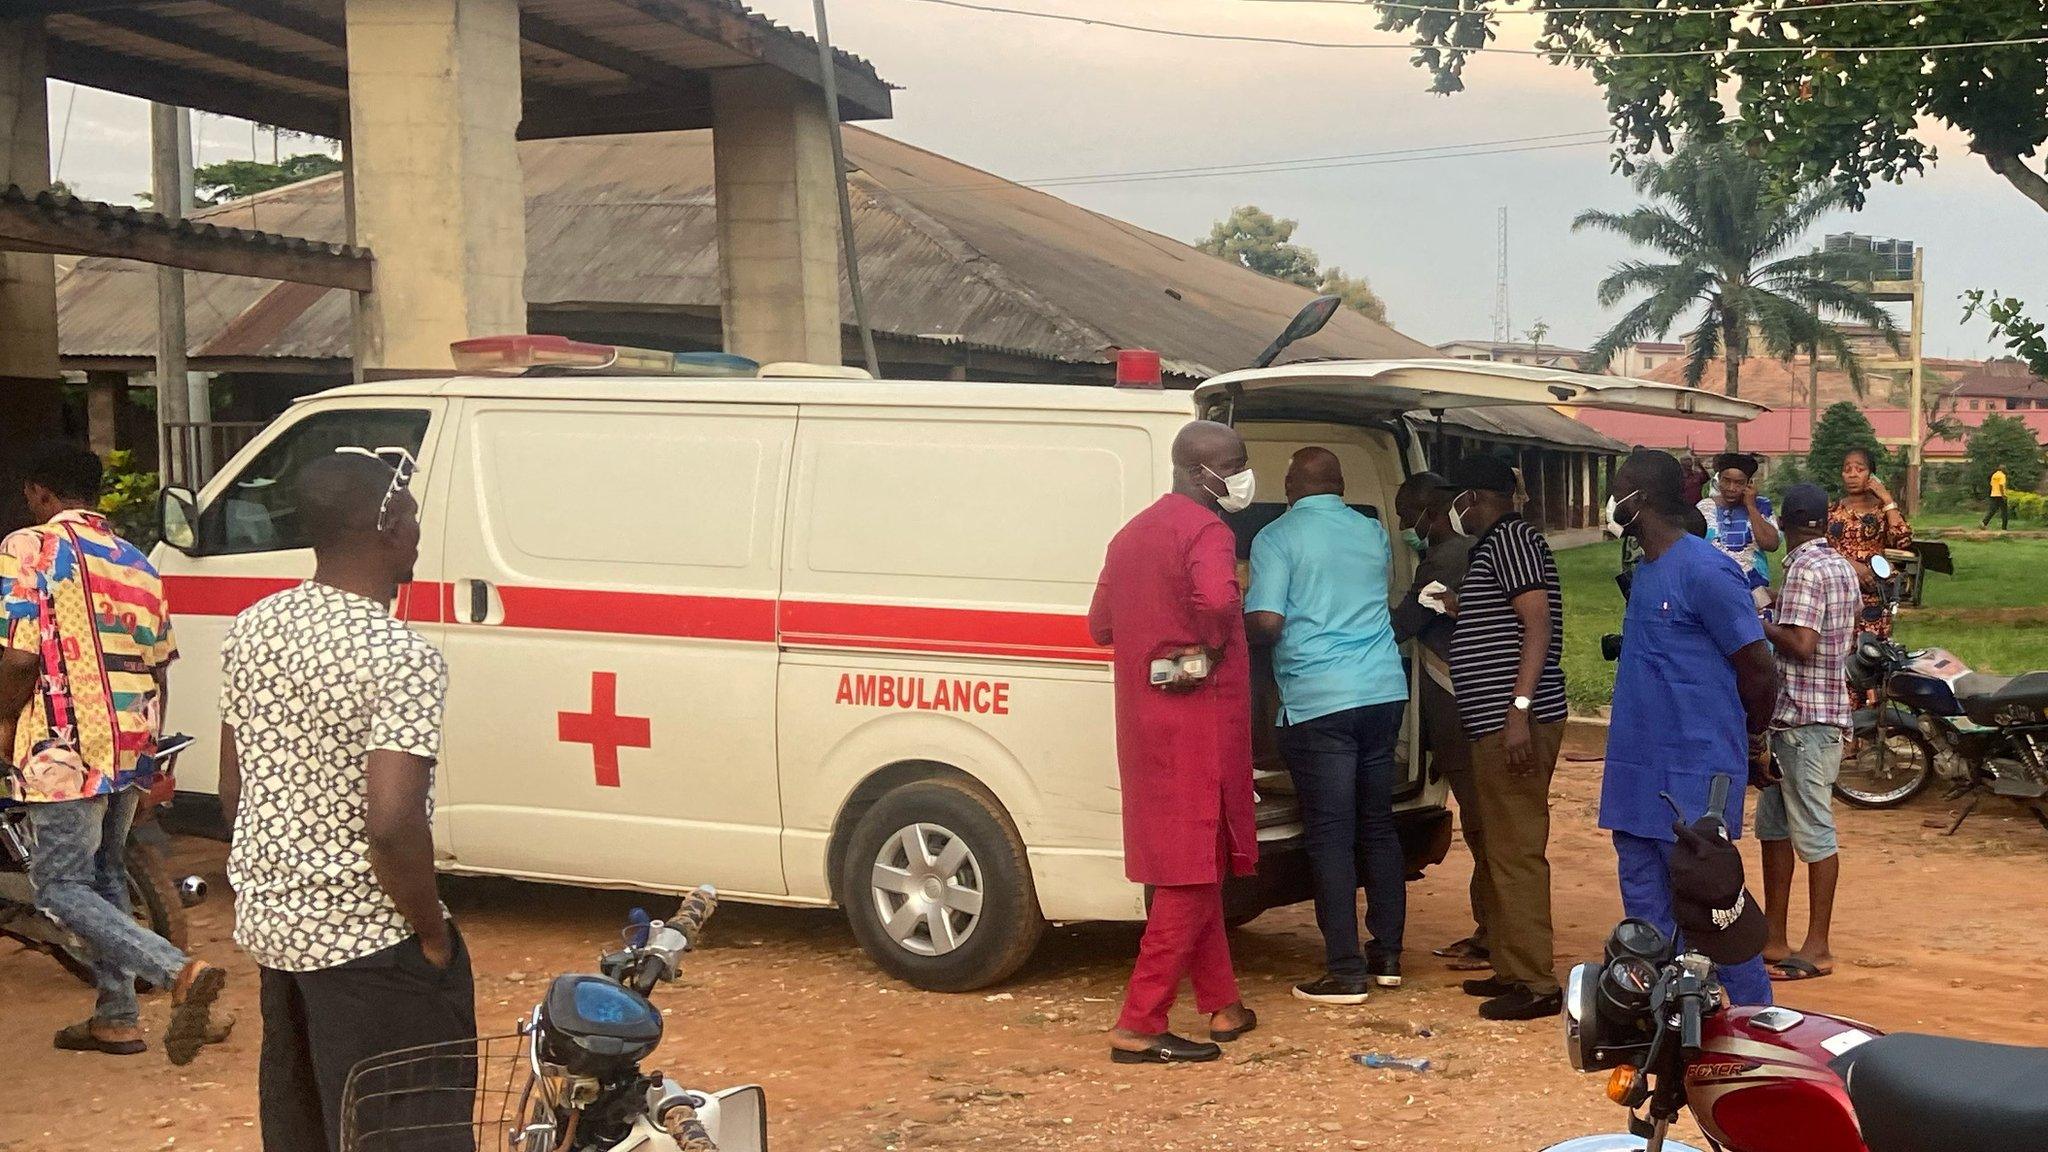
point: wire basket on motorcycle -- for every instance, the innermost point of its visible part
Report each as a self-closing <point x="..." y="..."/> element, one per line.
<point x="460" y="1096"/>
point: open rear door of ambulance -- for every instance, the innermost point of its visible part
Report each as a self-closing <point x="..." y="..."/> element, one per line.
<point x="1351" y="391"/>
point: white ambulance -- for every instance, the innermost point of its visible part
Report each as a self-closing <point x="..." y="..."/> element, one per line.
<point x="815" y="641"/>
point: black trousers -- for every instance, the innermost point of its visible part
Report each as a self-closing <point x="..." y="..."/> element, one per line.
<point x="319" y="1025"/>
<point x="1343" y="768"/>
<point x="2000" y="509"/>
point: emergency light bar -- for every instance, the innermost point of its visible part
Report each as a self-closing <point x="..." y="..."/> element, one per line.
<point x="531" y="353"/>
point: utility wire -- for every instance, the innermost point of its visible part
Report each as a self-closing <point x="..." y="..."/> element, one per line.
<point x="1404" y="46"/>
<point x="1451" y="8"/>
<point x="1366" y="160"/>
<point x="1252" y="166"/>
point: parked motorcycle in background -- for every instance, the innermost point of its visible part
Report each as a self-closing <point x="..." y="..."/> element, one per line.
<point x="1985" y="735"/>
<point x="569" y="1080"/>
<point x="157" y="900"/>
<point x="1772" y="1079"/>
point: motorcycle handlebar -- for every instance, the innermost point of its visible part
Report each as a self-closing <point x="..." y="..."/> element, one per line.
<point x="657" y="960"/>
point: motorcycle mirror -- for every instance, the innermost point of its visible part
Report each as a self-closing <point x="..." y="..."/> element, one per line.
<point x="1306" y="323"/>
<point x="737" y="1120"/>
<point x="1881" y="567"/>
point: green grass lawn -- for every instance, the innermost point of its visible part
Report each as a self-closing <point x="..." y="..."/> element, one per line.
<point x="1993" y="613"/>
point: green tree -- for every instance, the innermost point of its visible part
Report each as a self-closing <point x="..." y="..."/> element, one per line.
<point x="1253" y="238"/>
<point x="1355" y="292"/>
<point x="1803" y="107"/>
<point x="1842" y="427"/>
<point x="1807" y="110"/>
<point x="2024" y="336"/>
<point x="1729" y="242"/>
<point x="2002" y="442"/>
<point x="237" y="179"/>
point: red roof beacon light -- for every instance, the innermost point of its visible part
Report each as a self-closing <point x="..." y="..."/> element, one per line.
<point x="530" y="353"/>
<point x="1138" y="368"/>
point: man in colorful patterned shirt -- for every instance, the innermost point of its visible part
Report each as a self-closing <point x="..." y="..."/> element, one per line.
<point x="87" y="642"/>
<point x="1815" y="627"/>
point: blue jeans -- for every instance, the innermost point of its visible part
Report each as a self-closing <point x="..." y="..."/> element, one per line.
<point x="79" y="867"/>
<point x="1343" y="769"/>
<point x="1646" y="895"/>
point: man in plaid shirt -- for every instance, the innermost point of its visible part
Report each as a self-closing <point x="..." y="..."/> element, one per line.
<point x="1813" y="633"/>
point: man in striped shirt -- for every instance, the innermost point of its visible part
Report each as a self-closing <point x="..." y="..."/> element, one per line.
<point x="1507" y="670"/>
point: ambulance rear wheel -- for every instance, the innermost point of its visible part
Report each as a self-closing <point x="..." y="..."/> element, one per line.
<point x="937" y="887"/>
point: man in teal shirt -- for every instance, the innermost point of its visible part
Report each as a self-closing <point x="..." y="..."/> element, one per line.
<point x="1319" y="584"/>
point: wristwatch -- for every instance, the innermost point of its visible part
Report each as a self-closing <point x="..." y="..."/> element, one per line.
<point x="1523" y="703"/>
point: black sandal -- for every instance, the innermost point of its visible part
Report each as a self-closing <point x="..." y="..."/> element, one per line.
<point x="1225" y="1036"/>
<point x="1169" y="1049"/>
<point x="80" y="1038"/>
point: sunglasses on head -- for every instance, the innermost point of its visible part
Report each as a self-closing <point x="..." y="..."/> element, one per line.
<point x="402" y="466"/>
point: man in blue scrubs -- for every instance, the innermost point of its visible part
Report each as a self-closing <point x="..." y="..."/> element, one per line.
<point x="1693" y="695"/>
<point x="1319" y="596"/>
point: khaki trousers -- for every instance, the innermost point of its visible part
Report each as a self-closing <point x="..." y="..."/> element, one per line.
<point x="1514" y="809"/>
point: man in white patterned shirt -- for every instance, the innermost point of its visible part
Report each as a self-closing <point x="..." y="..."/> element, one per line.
<point x="331" y="726"/>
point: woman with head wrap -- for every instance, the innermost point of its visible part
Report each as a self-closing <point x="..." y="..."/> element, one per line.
<point x="1739" y="520"/>
<point x="1862" y="524"/>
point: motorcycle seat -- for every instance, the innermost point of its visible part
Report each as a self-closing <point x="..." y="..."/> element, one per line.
<point x="1984" y="697"/>
<point x="1936" y="1094"/>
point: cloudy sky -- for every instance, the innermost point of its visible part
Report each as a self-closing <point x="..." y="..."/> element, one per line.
<point x="1036" y="99"/>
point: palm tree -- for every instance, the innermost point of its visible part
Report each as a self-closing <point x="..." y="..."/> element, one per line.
<point x="1728" y="234"/>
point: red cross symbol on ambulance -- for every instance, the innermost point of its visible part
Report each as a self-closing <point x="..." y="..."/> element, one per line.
<point x="604" y="729"/>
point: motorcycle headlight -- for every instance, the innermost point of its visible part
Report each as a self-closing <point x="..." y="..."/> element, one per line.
<point x="1582" y="1018"/>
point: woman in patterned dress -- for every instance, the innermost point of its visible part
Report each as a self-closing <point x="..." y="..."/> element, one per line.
<point x="1862" y="524"/>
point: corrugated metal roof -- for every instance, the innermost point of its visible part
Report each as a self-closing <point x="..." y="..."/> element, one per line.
<point x="628" y="223"/>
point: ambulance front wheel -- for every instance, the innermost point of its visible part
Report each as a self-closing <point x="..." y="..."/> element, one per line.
<point x="937" y="887"/>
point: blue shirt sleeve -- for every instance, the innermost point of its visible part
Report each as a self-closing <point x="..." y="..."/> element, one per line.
<point x="1722" y="601"/>
<point x="1272" y="565"/>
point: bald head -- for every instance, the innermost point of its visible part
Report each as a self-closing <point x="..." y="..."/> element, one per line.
<point x="1204" y="452"/>
<point x="340" y="501"/>
<point x="338" y="498"/>
<point x="1314" y="471"/>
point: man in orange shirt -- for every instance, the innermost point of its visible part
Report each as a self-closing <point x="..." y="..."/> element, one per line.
<point x="86" y="643"/>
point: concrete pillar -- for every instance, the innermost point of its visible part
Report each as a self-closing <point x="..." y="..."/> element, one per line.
<point x="28" y="280"/>
<point x="31" y="401"/>
<point x="434" y="106"/>
<point x="106" y="393"/>
<point x="778" y="217"/>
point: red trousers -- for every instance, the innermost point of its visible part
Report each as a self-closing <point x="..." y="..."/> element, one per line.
<point x="1184" y="939"/>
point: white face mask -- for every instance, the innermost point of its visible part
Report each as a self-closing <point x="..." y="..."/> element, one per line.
<point x="1457" y="518"/>
<point x="1238" y="488"/>
<point x="1615" y="527"/>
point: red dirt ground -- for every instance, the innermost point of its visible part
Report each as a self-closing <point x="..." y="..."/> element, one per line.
<point x="1934" y="934"/>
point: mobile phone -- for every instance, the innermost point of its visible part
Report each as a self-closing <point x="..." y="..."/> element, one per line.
<point x="1194" y="666"/>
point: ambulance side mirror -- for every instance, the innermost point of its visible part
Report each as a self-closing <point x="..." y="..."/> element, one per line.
<point x="177" y="519"/>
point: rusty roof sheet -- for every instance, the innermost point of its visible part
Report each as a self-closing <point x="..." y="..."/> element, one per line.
<point x="949" y="254"/>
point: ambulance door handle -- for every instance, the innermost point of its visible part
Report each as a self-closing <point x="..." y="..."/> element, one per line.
<point x="480" y="603"/>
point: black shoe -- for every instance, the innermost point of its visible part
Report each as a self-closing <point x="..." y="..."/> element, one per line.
<point x="1169" y="1049"/>
<point x="1345" y="990"/>
<point x="1490" y="987"/>
<point x="1522" y="1004"/>
<point x="1251" y="1024"/>
<point x="1385" y="971"/>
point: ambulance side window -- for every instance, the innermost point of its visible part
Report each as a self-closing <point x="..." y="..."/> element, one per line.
<point x="257" y="511"/>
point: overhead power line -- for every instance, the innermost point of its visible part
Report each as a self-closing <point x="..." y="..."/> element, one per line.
<point x="1252" y="166"/>
<point x="1360" y="160"/>
<point x="1449" y="7"/>
<point x="1491" y="50"/>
